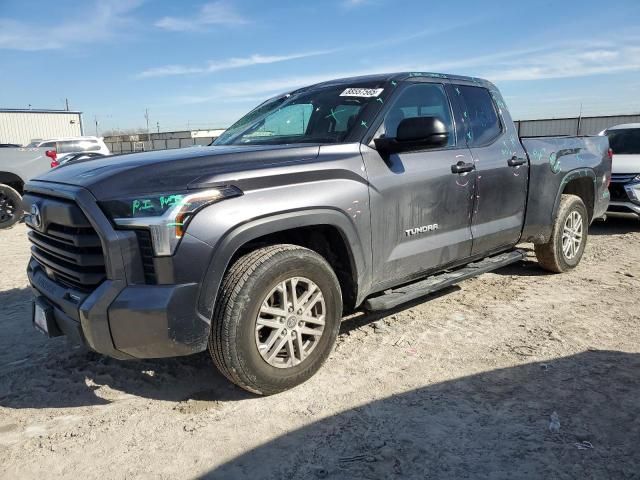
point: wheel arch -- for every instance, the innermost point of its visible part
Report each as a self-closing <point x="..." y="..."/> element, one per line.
<point x="581" y="183"/>
<point x="12" y="180"/>
<point x="328" y="232"/>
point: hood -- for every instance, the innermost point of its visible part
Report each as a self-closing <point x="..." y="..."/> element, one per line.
<point x="158" y="171"/>
<point x="626" y="163"/>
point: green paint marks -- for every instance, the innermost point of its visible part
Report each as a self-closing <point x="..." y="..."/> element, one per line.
<point x="379" y="100"/>
<point x="364" y="124"/>
<point x="170" y="200"/>
<point x="554" y="162"/>
<point x="141" y="205"/>
<point x="334" y="114"/>
<point x="394" y="83"/>
<point x="155" y="204"/>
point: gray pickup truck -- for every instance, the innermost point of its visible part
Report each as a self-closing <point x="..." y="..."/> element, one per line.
<point x="363" y="192"/>
<point x="17" y="166"/>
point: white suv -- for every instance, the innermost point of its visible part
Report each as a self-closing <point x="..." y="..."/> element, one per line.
<point x="68" y="145"/>
<point x="624" y="140"/>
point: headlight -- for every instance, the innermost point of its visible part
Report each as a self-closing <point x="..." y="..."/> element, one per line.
<point x="166" y="216"/>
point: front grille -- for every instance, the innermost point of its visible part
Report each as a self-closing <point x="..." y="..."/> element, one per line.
<point x="623" y="177"/>
<point x="616" y="188"/>
<point x="146" y="254"/>
<point x="618" y="193"/>
<point x="69" y="253"/>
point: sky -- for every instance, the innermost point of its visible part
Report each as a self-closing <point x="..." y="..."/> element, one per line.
<point x="202" y="64"/>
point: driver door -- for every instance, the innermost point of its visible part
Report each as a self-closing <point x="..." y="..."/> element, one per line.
<point x="420" y="210"/>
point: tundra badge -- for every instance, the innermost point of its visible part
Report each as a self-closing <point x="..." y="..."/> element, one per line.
<point x="424" y="229"/>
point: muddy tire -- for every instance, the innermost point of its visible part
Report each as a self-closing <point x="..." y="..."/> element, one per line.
<point x="568" y="239"/>
<point x="276" y="319"/>
<point x="10" y="207"/>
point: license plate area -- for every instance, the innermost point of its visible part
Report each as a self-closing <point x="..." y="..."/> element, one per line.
<point x="43" y="318"/>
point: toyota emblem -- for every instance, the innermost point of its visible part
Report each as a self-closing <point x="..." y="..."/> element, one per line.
<point x="36" y="218"/>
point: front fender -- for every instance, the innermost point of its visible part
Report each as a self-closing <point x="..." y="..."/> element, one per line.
<point x="233" y="239"/>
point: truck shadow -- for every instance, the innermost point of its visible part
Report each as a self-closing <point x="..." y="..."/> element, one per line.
<point x="495" y="424"/>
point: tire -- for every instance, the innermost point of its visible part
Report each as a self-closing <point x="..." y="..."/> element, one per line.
<point x="10" y="207"/>
<point x="552" y="256"/>
<point x="247" y="288"/>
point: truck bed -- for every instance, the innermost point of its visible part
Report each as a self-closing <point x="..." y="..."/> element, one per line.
<point x="554" y="163"/>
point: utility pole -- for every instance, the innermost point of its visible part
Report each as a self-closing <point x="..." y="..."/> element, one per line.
<point x="95" y="118"/>
<point x="146" y="116"/>
<point x="66" y="101"/>
<point x="158" y="125"/>
<point x="579" y="122"/>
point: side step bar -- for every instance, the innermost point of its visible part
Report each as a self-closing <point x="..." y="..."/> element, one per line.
<point x="398" y="296"/>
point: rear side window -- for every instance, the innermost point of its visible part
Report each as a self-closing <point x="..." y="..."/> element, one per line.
<point x="480" y="115"/>
<point x="625" y="141"/>
<point x="78" y="146"/>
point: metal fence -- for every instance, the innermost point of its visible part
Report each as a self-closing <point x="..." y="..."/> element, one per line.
<point x="160" y="141"/>
<point x="572" y="126"/>
<point x="526" y="128"/>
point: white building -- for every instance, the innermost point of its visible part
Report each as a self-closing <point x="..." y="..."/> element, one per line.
<point x="21" y="126"/>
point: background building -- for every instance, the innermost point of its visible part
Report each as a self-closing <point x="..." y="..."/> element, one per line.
<point x="21" y="126"/>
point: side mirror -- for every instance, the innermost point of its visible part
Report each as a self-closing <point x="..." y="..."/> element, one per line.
<point x="415" y="133"/>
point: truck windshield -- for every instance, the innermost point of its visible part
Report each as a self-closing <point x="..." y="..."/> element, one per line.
<point x="625" y="140"/>
<point x="328" y="114"/>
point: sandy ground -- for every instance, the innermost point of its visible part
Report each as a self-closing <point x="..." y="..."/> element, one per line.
<point x="460" y="386"/>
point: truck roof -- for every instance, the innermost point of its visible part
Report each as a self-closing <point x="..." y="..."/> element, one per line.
<point x="398" y="76"/>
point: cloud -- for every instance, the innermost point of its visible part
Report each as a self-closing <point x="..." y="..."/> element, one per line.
<point x="210" y="14"/>
<point x="229" y="64"/>
<point x="101" y="21"/>
<point x="354" y="3"/>
<point x="568" y="63"/>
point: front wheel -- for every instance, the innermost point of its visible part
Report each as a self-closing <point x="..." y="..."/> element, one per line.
<point x="10" y="201"/>
<point x="568" y="239"/>
<point x="276" y="319"/>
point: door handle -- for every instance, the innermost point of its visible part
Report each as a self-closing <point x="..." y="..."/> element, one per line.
<point x="462" y="167"/>
<point x="516" y="162"/>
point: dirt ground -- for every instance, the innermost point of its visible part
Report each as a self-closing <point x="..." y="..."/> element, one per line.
<point x="463" y="385"/>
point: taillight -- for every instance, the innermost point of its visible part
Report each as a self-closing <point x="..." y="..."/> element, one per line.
<point x="53" y="155"/>
<point x="607" y="175"/>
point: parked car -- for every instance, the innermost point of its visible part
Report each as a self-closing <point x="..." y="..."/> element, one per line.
<point x="364" y="192"/>
<point x="9" y="145"/>
<point x="17" y="165"/>
<point x="68" y="145"/>
<point x="625" y="179"/>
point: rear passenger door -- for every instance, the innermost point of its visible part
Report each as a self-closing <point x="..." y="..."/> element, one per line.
<point x="502" y="170"/>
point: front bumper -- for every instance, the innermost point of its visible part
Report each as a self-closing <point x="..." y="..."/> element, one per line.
<point x="124" y="317"/>
<point x="626" y="198"/>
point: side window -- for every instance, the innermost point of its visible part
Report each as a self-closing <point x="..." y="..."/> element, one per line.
<point x="420" y="100"/>
<point x="48" y="145"/>
<point x="480" y="114"/>
<point x="67" y="147"/>
<point x="87" y="146"/>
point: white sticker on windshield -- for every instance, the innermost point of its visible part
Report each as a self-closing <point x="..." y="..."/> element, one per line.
<point x="362" y="92"/>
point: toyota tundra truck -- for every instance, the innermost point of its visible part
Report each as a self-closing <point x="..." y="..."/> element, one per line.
<point x="359" y="193"/>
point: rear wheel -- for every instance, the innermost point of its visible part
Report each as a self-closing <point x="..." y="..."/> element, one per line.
<point x="568" y="239"/>
<point x="276" y="319"/>
<point x="10" y="201"/>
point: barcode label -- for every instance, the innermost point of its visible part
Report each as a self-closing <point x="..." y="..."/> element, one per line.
<point x="362" y="92"/>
